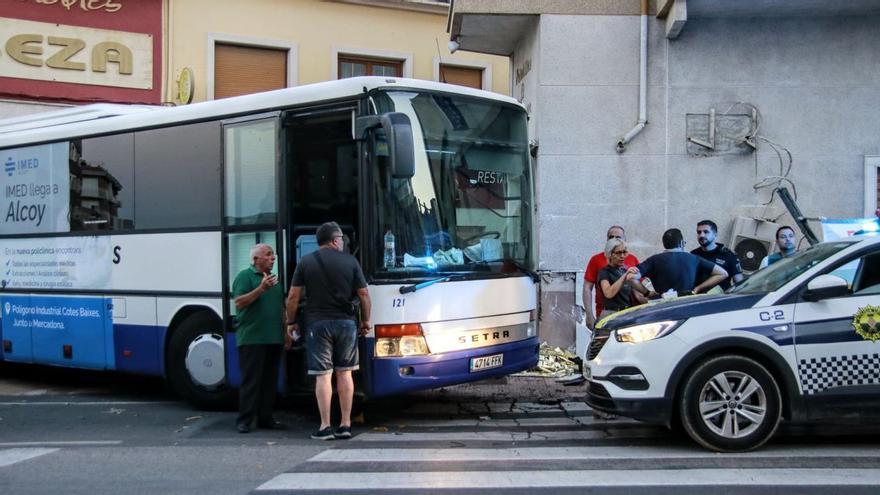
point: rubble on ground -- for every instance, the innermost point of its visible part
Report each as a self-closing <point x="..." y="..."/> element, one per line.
<point x="553" y="362"/>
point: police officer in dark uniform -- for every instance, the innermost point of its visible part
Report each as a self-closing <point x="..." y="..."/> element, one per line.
<point x="717" y="253"/>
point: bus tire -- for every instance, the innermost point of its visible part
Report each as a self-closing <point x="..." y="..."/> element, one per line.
<point x="196" y="365"/>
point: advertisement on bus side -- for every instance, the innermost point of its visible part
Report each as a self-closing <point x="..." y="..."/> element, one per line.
<point x="142" y="262"/>
<point x="35" y="181"/>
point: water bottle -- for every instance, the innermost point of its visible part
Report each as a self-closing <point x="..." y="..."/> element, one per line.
<point x="389" y="250"/>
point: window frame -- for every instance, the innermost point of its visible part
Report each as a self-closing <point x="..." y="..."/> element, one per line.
<point x="859" y="257"/>
<point x="250" y="41"/>
<point x="486" y="67"/>
<point x="405" y="59"/>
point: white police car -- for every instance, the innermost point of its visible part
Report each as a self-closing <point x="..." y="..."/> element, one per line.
<point x="797" y="340"/>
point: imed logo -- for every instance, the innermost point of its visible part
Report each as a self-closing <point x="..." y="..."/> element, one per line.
<point x="7" y="307"/>
<point x="22" y="165"/>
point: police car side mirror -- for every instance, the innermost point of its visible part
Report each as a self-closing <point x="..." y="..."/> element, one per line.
<point x="826" y="287"/>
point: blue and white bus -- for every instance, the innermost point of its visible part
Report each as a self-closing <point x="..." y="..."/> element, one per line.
<point x="123" y="227"/>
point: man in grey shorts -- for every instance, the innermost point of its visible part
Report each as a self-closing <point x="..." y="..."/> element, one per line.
<point x="332" y="279"/>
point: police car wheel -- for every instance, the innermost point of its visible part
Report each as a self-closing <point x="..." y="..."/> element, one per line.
<point x="730" y="403"/>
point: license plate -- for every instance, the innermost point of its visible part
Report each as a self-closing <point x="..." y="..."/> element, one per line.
<point x="486" y="362"/>
<point x="588" y="374"/>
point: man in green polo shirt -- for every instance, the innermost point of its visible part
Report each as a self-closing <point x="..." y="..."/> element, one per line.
<point x="259" y="302"/>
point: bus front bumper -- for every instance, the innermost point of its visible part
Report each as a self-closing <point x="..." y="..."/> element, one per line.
<point x="398" y="375"/>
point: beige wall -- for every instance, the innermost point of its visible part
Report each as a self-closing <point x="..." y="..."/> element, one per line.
<point x="316" y="28"/>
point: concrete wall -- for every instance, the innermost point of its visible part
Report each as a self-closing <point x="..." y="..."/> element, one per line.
<point x="816" y="82"/>
<point x="557" y="288"/>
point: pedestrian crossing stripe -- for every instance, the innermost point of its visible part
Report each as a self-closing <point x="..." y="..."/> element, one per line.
<point x="500" y="480"/>
<point x="9" y="457"/>
<point x="566" y="453"/>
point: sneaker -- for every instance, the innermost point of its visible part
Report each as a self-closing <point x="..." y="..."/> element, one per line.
<point x="325" y="434"/>
<point x="342" y="433"/>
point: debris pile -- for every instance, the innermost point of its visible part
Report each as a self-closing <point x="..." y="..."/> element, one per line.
<point x="553" y="362"/>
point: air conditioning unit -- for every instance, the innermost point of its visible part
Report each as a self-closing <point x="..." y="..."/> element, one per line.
<point x="753" y="239"/>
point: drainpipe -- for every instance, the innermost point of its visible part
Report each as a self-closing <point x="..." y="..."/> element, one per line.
<point x="643" y="83"/>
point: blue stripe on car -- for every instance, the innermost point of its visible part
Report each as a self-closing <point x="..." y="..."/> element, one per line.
<point x="683" y="308"/>
<point x="831" y="331"/>
<point x="779" y="338"/>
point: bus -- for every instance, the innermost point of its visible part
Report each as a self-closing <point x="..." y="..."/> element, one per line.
<point x="124" y="226"/>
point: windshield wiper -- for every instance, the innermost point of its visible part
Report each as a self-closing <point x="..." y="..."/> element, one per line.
<point x="406" y="289"/>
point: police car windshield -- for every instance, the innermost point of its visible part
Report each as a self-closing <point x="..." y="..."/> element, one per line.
<point x="780" y="273"/>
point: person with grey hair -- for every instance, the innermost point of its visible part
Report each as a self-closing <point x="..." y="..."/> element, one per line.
<point x="332" y="279"/>
<point x="615" y="279"/>
<point x="259" y="304"/>
<point x="591" y="273"/>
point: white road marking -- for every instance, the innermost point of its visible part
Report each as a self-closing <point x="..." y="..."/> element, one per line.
<point x="575" y="453"/>
<point x="9" y="457"/>
<point x="499" y="480"/>
<point x="92" y="403"/>
<point x="70" y="443"/>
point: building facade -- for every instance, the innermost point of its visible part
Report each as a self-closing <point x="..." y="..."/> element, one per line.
<point x="740" y="98"/>
<point x="59" y="53"/>
<point x="56" y="53"/>
<point x="235" y="47"/>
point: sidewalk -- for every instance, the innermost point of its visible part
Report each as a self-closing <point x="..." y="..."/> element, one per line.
<point x="509" y="388"/>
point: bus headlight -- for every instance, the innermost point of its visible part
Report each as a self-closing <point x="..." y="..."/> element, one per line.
<point x="649" y="331"/>
<point x="400" y="340"/>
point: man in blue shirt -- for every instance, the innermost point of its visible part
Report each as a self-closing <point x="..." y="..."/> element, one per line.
<point x="675" y="269"/>
<point x="785" y="242"/>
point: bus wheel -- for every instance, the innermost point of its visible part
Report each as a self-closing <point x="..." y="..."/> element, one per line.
<point x="730" y="404"/>
<point x="196" y="363"/>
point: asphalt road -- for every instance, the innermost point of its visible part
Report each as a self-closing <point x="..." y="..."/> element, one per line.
<point x="99" y="433"/>
<point x="72" y="432"/>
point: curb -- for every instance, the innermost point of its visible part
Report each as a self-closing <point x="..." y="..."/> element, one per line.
<point x="508" y="388"/>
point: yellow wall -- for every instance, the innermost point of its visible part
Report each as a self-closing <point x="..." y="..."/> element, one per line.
<point x="316" y="26"/>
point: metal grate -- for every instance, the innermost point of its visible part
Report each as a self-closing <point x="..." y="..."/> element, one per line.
<point x="596" y="344"/>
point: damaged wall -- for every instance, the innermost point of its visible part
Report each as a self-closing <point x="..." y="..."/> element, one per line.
<point x="815" y="81"/>
<point x="558" y="310"/>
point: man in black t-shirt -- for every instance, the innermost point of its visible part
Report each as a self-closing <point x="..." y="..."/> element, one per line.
<point x="332" y="279"/>
<point x="717" y="253"/>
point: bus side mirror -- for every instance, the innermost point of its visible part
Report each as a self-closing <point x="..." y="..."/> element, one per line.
<point x="826" y="287"/>
<point x="398" y="135"/>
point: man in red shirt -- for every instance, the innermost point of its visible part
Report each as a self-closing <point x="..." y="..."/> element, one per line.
<point x="596" y="263"/>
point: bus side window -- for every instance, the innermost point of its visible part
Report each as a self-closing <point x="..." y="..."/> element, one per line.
<point x="102" y="183"/>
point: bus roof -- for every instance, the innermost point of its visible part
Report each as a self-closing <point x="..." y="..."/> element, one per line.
<point x="90" y="120"/>
<point x="68" y="115"/>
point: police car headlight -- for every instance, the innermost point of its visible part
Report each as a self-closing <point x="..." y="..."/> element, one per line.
<point x="646" y="332"/>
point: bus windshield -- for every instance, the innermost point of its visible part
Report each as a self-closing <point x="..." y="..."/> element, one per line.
<point x="467" y="207"/>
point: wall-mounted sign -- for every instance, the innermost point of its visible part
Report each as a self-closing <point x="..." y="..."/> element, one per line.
<point x="85" y="5"/>
<point x="185" y="86"/>
<point x="75" y="54"/>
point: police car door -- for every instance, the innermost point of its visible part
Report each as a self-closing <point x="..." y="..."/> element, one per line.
<point x="837" y="367"/>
